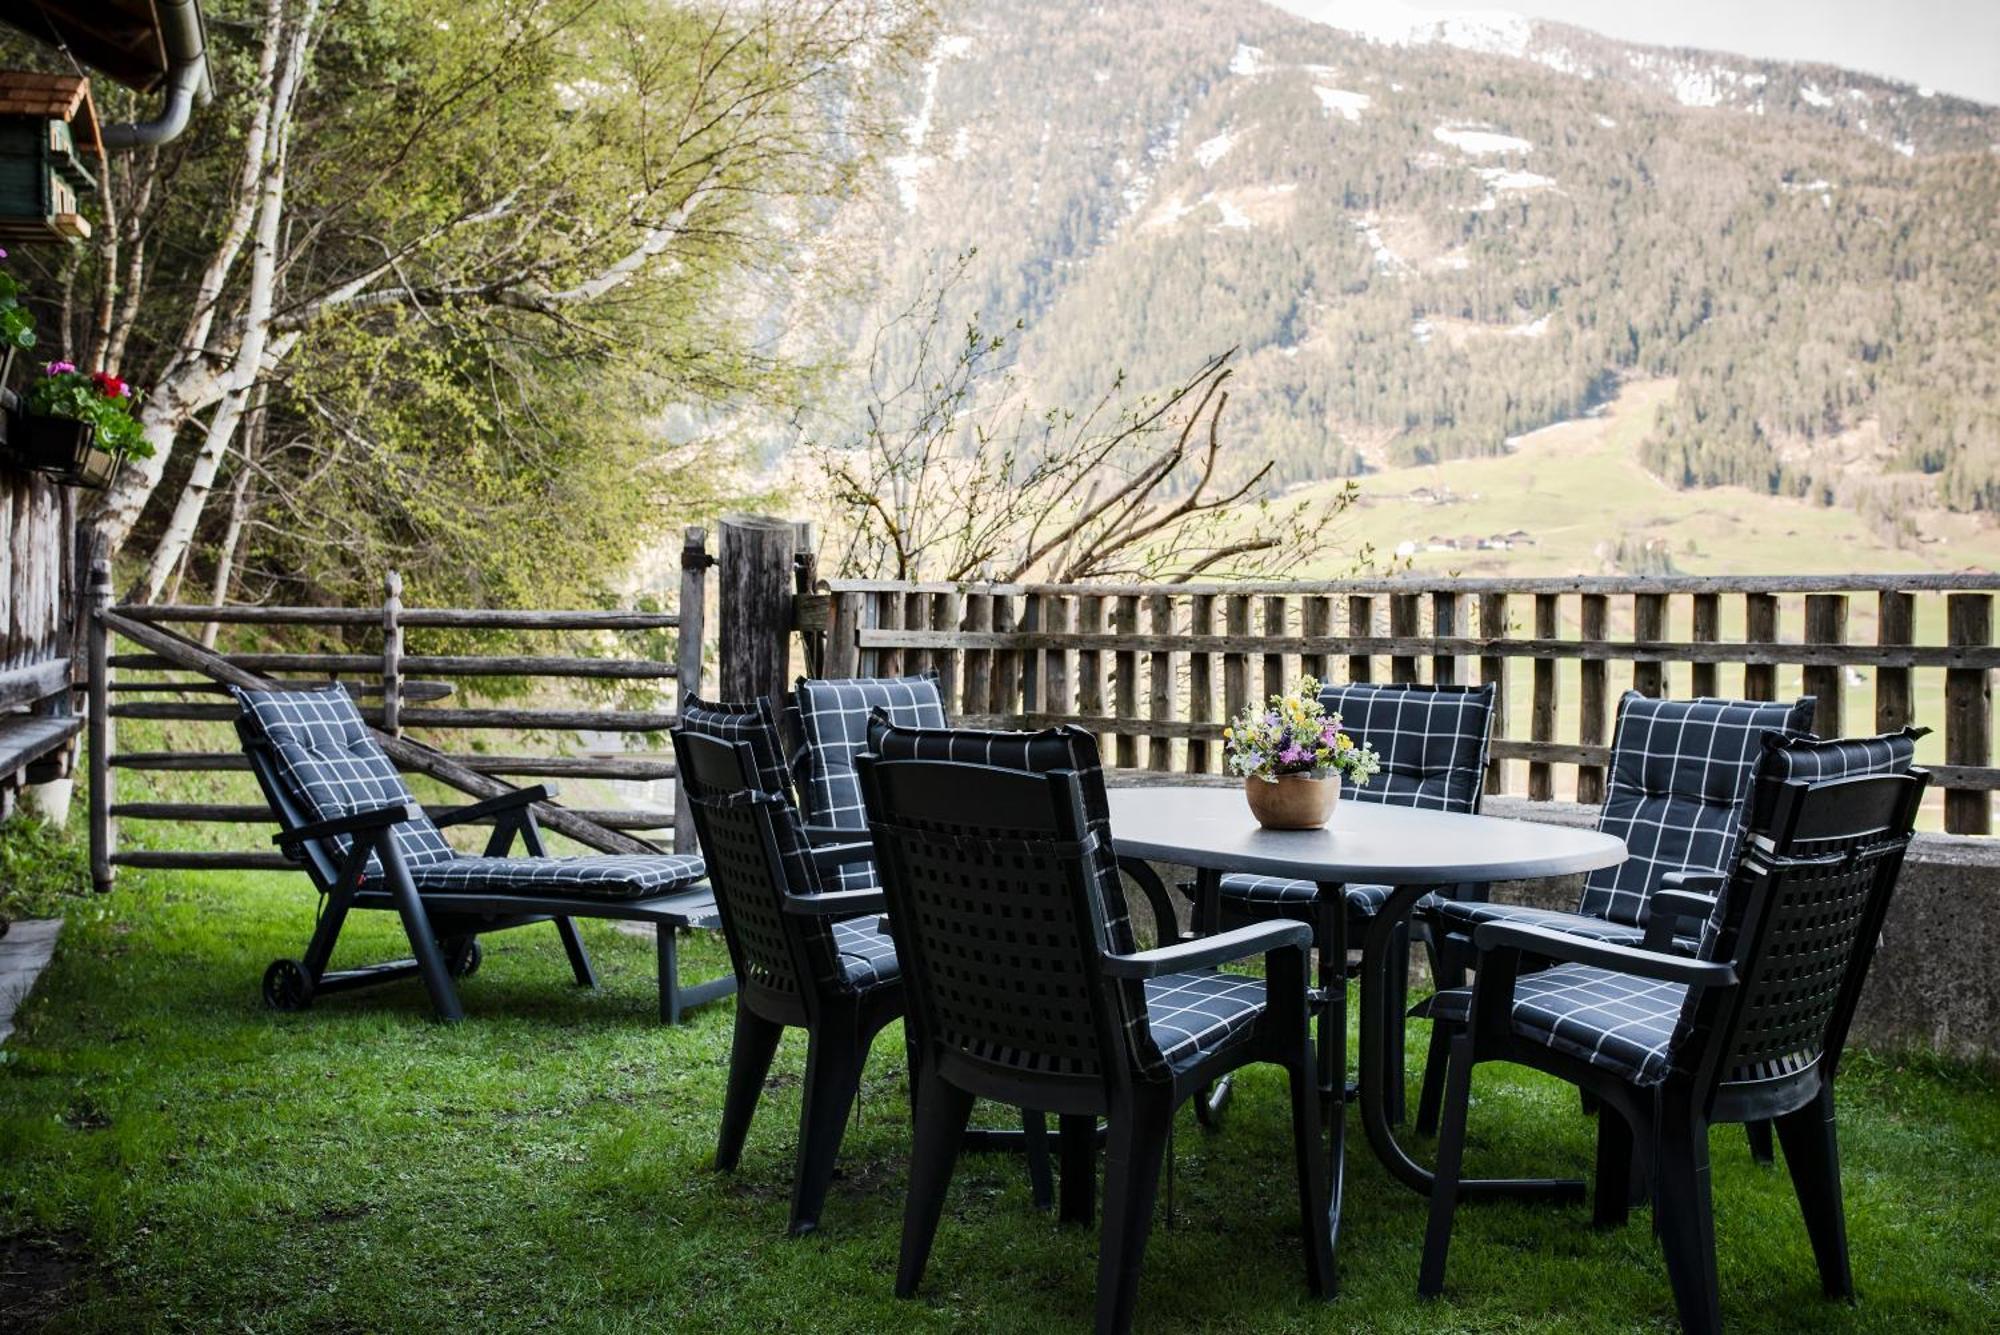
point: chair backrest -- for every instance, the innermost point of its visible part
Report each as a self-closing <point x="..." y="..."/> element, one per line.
<point x="752" y="722"/>
<point x="1677" y="790"/>
<point x="1067" y="750"/>
<point x="317" y="761"/>
<point x="755" y="852"/>
<point x="992" y="883"/>
<point x="1432" y="741"/>
<point x="832" y="724"/>
<point x="1801" y="915"/>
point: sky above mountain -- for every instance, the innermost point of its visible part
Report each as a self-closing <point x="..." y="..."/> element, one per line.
<point x="1952" y="46"/>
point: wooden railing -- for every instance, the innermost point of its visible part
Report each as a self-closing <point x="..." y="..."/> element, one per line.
<point x="1156" y="669"/>
<point x="176" y="680"/>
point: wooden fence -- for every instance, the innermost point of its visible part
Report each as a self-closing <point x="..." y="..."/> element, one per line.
<point x="1156" y="669"/>
<point x="177" y="680"/>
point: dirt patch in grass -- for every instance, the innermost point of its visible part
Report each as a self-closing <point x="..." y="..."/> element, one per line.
<point x="36" y="1276"/>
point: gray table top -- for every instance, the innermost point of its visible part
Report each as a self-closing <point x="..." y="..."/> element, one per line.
<point x="1365" y="843"/>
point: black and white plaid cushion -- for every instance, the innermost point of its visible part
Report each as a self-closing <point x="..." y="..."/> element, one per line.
<point x="1813" y="760"/>
<point x="1678" y="790"/>
<point x="331" y="766"/>
<point x="1615" y="1021"/>
<point x="1432" y="741"/>
<point x="833" y="729"/>
<point x="1193" y="1015"/>
<point x="751" y="721"/>
<point x="603" y="876"/>
<point x="867" y="957"/>
<point x="1063" y="748"/>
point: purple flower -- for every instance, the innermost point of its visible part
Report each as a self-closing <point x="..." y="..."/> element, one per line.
<point x="1294" y="755"/>
<point x="60" y="368"/>
<point x="3" y="254"/>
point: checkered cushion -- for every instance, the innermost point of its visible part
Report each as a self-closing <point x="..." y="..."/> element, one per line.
<point x="1192" y="1015"/>
<point x="607" y="876"/>
<point x="833" y="729"/>
<point x="331" y="767"/>
<point x="1812" y="760"/>
<point x="867" y="957"/>
<point x="1432" y="741"/>
<point x="1063" y="748"/>
<point x="754" y="722"/>
<point x="1678" y="790"/>
<point x="1611" y="1020"/>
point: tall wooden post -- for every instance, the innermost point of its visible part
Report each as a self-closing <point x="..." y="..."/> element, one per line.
<point x="1826" y="623"/>
<point x="103" y="830"/>
<point x="1968" y="712"/>
<point x="392" y="654"/>
<point x="691" y="610"/>
<point x="1895" y="622"/>
<point x="754" y="621"/>
<point x="1493" y="670"/>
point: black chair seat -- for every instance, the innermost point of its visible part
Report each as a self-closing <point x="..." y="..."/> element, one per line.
<point x="606" y="876"/>
<point x="1460" y="915"/>
<point x="1619" y="1022"/>
<point x="1195" y="1015"/>
<point x="1242" y="889"/>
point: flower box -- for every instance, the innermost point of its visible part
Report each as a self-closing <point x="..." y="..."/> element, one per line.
<point x="65" y="449"/>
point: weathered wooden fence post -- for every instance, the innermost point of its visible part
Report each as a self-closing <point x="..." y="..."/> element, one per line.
<point x="392" y="654"/>
<point x="692" y="610"/>
<point x="103" y="831"/>
<point x="754" y="621"/>
<point x="1968" y="712"/>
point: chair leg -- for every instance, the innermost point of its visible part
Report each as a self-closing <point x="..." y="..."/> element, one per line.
<point x="1132" y="1160"/>
<point x="1812" y="1154"/>
<point x="1309" y="1161"/>
<point x="423" y="945"/>
<point x="750" y="1051"/>
<point x="579" y="958"/>
<point x="1077" y="1146"/>
<point x="1614" y="1170"/>
<point x="942" y="1110"/>
<point x="1399" y="989"/>
<point x="1035" y="1139"/>
<point x="1685" y="1217"/>
<point x="835" y="1054"/>
<point x="1761" y="1149"/>
<point x="1436" y="1062"/>
<point x="1451" y="1160"/>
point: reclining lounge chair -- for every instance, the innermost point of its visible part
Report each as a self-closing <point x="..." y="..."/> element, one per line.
<point x="346" y="816"/>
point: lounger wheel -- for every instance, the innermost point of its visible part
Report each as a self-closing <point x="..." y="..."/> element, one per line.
<point x="287" y="986"/>
<point x="469" y="964"/>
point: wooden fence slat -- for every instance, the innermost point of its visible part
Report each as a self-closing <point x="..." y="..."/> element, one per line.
<point x="1649" y="622"/>
<point x="1493" y="671"/>
<point x="1125" y="679"/>
<point x="1316" y="625"/>
<point x="1447" y="623"/>
<point x="978" y="662"/>
<point x="1201" y="680"/>
<point x="1542" y="716"/>
<point x="1236" y="666"/>
<point x="1707" y="630"/>
<point x="1895" y="623"/>
<point x="1360" y="624"/>
<point x="1056" y="698"/>
<point x="1826" y="623"/>
<point x="889" y="616"/>
<point x="1160" y="616"/>
<point x="944" y="615"/>
<point x="1760" y="623"/>
<point x="1968" y="713"/>
<point x="1276" y="617"/>
<point x="1034" y="611"/>
<point x="1405" y="623"/>
<point x="1593" y="699"/>
<point x="1006" y="663"/>
<point x="1090" y="664"/>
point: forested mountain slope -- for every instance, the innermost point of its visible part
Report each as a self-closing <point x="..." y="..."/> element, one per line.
<point x="1424" y="247"/>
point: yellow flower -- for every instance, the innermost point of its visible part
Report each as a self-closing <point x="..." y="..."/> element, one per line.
<point x="1346" y="743"/>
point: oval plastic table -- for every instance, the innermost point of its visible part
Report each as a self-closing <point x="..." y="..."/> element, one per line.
<point x="1411" y="850"/>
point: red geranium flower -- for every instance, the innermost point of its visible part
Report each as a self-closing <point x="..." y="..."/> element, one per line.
<point x="109" y="385"/>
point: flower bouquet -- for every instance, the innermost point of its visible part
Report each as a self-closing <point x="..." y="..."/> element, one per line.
<point x="1292" y="756"/>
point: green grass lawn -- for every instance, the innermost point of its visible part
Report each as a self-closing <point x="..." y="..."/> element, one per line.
<point x="188" y="1160"/>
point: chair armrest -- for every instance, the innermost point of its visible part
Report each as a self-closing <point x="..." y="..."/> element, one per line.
<point x="831" y="834"/>
<point x="493" y="806"/>
<point x="836" y="903"/>
<point x="361" y="822"/>
<point x="842" y="855"/>
<point x="1695" y="882"/>
<point x="1668" y="909"/>
<point x="1207" y="951"/>
<point x="1564" y="948"/>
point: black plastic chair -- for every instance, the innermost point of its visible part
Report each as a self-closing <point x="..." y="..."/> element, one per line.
<point x="1025" y="988"/>
<point x="1432" y="741"/>
<point x="347" y="818"/>
<point x="804" y="957"/>
<point x="1678" y="790"/>
<point x="1670" y="1043"/>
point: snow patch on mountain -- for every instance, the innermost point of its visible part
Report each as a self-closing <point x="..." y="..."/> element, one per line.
<point x="1339" y="102"/>
<point x="1211" y="151"/>
<point x="905" y="168"/>
<point x="1500" y="178"/>
<point x="1248" y="60"/>
<point x="1480" y="139"/>
<point x="1810" y="94"/>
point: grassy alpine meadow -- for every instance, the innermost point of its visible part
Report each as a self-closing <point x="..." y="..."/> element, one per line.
<point x="174" y="1156"/>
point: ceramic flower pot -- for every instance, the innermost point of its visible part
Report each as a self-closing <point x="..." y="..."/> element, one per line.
<point x="1293" y="801"/>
